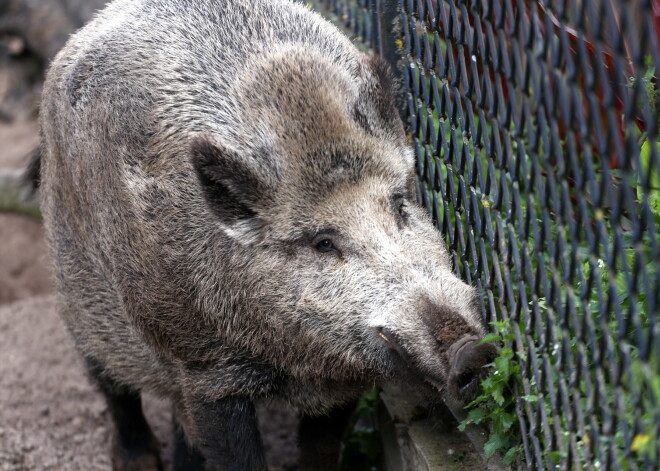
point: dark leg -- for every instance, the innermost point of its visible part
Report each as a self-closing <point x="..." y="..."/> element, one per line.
<point x="134" y="446"/>
<point x="320" y="439"/>
<point x="186" y="457"/>
<point x="226" y="434"/>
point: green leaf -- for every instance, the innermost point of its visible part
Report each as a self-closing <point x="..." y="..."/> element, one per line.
<point x="654" y="202"/>
<point x="495" y="443"/>
<point x="479" y="400"/>
<point x="502" y="364"/>
<point x="498" y="396"/>
<point x="487" y="384"/>
<point x="531" y="398"/>
<point x="476" y="415"/>
<point x="654" y="181"/>
<point x="645" y="157"/>
<point x="492" y="337"/>
<point x="510" y="455"/>
<point x="501" y="327"/>
<point x="503" y="421"/>
<point x="522" y="356"/>
<point x="507" y="353"/>
<point x="554" y="456"/>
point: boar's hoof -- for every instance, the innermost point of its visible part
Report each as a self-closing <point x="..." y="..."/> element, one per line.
<point x="467" y="361"/>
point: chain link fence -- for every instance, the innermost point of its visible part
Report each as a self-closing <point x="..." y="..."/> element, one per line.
<point x="535" y="127"/>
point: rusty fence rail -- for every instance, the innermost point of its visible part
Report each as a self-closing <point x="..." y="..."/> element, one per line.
<point x="535" y="126"/>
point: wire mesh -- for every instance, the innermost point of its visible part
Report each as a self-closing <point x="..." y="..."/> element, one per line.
<point x="535" y="130"/>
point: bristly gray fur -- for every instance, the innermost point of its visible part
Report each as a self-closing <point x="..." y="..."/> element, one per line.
<point x="193" y="153"/>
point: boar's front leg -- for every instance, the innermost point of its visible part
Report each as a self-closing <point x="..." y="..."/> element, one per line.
<point x="134" y="446"/>
<point x="186" y="457"/>
<point x="226" y="433"/>
<point x="319" y="439"/>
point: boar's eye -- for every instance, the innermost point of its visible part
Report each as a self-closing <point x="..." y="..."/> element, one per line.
<point x="326" y="245"/>
<point x="401" y="208"/>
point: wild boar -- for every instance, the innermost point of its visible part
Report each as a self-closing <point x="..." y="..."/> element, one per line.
<point x="229" y="197"/>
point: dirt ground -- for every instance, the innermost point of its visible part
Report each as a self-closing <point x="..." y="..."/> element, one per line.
<point x="52" y="419"/>
<point x="24" y="268"/>
<point x="24" y="263"/>
<point x="50" y="416"/>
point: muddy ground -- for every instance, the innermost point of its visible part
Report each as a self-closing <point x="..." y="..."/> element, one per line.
<point x="50" y="416"/>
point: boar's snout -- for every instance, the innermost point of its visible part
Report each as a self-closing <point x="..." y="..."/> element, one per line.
<point x="467" y="361"/>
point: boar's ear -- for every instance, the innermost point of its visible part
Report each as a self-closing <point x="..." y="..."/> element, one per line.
<point x="376" y="108"/>
<point x="231" y="186"/>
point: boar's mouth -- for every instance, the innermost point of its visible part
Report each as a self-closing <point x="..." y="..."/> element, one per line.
<point x="392" y="342"/>
<point x="466" y="358"/>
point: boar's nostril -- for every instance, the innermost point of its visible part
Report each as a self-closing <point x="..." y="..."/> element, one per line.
<point x="467" y="360"/>
<point x="464" y="380"/>
<point x="457" y="350"/>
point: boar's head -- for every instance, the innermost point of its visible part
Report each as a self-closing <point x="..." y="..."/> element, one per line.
<point x="316" y="194"/>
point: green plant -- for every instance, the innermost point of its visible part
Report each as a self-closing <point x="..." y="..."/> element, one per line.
<point x="653" y="176"/>
<point x="496" y="406"/>
<point x="497" y="399"/>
